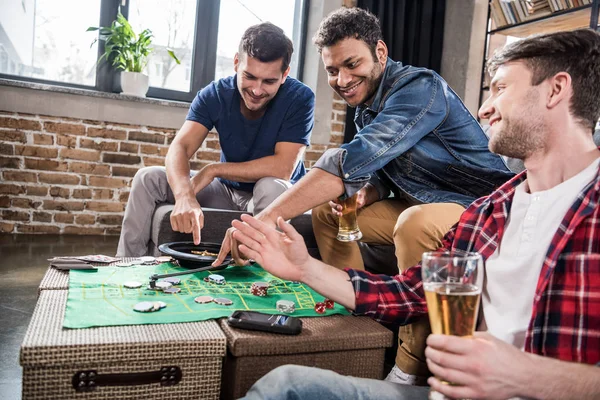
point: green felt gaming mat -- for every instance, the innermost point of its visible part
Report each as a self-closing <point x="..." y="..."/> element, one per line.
<point x="99" y="298"/>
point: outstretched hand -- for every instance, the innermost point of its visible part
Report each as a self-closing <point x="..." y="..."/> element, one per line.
<point x="230" y="245"/>
<point x="187" y="217"/>
<point x="283" y="254"/>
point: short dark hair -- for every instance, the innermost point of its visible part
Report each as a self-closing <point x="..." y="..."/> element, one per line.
<point x="576" y="52"/>
<point x="346" y="23"/>
<point x="267" y="42"/>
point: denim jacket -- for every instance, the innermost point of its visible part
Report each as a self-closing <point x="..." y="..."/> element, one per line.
<point x="418" y="140"/>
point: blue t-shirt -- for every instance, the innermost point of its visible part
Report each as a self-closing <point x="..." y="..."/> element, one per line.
<point x="289" y="117"/>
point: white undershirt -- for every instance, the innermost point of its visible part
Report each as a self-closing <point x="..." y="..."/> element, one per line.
<point x="512" y="272"/>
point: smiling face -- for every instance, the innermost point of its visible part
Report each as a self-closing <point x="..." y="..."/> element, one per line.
<point x="257" y="81"/>
<point x="352" y="71"/>
<point x="515" y="110"/>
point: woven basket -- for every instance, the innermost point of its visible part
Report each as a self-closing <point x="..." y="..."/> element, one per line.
<point x="52" y="357"/>
<point x="345" y="344"/>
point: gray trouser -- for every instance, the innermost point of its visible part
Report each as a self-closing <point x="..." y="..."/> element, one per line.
<point x="150" y="187"/>
<point x="293" y="382"/>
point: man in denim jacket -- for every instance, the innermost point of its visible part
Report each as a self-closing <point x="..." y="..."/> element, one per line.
<point x="415" y="138"/>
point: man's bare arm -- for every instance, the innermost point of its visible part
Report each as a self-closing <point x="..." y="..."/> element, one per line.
<point x="280" y="165"/>
<point x="186" y="143"/>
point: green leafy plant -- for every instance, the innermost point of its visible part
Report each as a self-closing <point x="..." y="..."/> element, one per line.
<point x="123" y="48"/>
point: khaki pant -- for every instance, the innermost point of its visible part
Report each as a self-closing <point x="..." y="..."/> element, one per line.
<point x="412" y="230"/>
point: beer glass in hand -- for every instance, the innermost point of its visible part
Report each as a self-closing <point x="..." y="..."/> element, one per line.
<point x="452" y="283"/>
<point x="348" y="228"/>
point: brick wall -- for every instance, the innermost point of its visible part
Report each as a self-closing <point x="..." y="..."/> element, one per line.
<point x="72" y="176"/>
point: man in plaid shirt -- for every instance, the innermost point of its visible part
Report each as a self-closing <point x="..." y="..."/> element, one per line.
<point x="539" y="234"/>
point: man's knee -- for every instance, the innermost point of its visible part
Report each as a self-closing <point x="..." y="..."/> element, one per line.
<point x="281" y="381"/>
<point x="270" y="187"/>
<point x="147" y="175"/>
<point x="411" y="222"/>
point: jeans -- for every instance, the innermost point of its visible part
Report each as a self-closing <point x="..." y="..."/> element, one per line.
<point x="297" y="382"/>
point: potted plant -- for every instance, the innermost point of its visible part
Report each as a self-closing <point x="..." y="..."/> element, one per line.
<point x="128" y="52"/>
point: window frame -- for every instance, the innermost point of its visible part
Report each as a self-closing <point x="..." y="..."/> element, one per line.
<point x="204" y="55"/>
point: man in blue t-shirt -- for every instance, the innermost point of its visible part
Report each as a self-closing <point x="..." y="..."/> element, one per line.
<point x="264" y="121"/>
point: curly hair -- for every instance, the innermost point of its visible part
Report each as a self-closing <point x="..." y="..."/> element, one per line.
<point x="576" y="52"/>
<point x="267" y="42"/>
<point x="349" y="23"/>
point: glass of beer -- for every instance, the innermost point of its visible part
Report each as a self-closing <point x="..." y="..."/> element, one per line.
<point x="348" y="226"/>
<point x="452" y="283"/>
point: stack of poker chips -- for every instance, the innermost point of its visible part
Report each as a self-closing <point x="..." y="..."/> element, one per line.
<point x="259" y="289"/>
<point x="286" y="306"/>
<point x="149" y="306"/>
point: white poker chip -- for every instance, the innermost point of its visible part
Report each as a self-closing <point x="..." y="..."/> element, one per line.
<point x="132" y="285"/>
<point x="124" y="264"/>
<point x="147" y="259"/>
<point x="162" y="285"/>
<point x="144" y="306"/>
<point x="161" y="304"/>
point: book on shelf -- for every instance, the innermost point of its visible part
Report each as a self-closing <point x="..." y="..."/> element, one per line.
<point x="509" y="12"/>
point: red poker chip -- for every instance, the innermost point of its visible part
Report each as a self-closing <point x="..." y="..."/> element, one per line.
<point x="320" y="307"/>
<point x="329" y="303"/>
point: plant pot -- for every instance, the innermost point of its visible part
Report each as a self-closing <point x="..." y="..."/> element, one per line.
<point x="134" y="83"/>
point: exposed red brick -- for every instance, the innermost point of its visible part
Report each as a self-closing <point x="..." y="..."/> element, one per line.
<point x="126" y="147"/>
<point x="66" y="141"/>
<point x="21" y="202"/>
<point x="153" y="162"/>
<point x="125" y="126"/>
<point x="7" y="149"/>
<point x="104" y="206"/>
<point x="120" y="159"/>
<point x="60" y="127"/>
<point x="89" y="168"/>
<point x="29" y="228"/>
<point x="171" y="137"/>
<point x="11" y="215"/>
<point x="64" y="218"/>
<point x="123" y="171"/>
<point x="339" y="106"/>
<point x="101" y="145"/>
<point x="36" y="151"/>
<point x="82" y="194"/>
<point x="40" y="216"/>
<point x="56" y="191"/>
<point x="11" y="189"/>
<point x="317" y="147"/>
<point x="337" y="97"/>
<point x="198" y="165"/>
<point x="110" y="219"/>
<point x="212" y="144"/>
<point x="340" y="117"/>
<point x="85" y="219"/>
<point x="63" y="205"/>
<point x="123" y="197"/>
<point x="107" y="133"/>
<point x="6" y="227"/>
<point x="19" y="176"/>
<point x="63" y="179"/>
<point x="24" y="124"/>
<point x="4" y="201"/>
<point x="13" y="136"/>
<point x="147" y="137"/>
<point x="76" y="154"/>
<point x="40" y="138"/>
<point x="113" y="231"/>
<point x="208" y="155"/>
<point x="313" y="155"/>
<point x="337" y="127"/>
<point x="78" y="230"/>
<point x="103" y="194"/>
<point x="36" y="190"/>
<point x="163" y="130"/>
<point x="63" y="119"/>
<point x="337" y="139"/>
<point x="154" y="150"/>
<point x="98" y="181"/>
<point x="9" y="162"/>
<point x="45" y="165"/>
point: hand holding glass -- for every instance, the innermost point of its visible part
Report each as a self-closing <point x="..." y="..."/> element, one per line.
<point x="348" y="226"/>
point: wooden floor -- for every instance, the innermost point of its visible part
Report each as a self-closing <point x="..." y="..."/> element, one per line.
<point x="23" y="262"/>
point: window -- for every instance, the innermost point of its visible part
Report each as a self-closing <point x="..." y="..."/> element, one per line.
<point x="46" y="40"/>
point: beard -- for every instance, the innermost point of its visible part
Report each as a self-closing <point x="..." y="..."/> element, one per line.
<point x="522" y="136"/>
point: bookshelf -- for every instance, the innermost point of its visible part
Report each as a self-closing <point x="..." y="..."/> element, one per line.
<point x="513" y="19"/>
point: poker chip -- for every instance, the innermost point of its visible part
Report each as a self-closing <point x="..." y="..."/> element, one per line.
<point x="144" y="306"/>
<point x="259" y="289"/>
<point x="320" y="308"/>
<point x="286" y="306"/>
<point x="155" y="306"/>
<point x="132" y="285"/>
<point x="161" y="304"/>
<point x="164" y="259"/>
<point x="124" y="264"/>
<point x="173" y="290"/>
<point x="172" y="280"/>
<point x="206" y="279"/>
<point x="223" y="301"/>
<point x="329" y="304"/>
<point x="147" y="260"/>
<point x="164" y="285"/>
<point x="216" y="279"/>
<point x="203" y="299"/>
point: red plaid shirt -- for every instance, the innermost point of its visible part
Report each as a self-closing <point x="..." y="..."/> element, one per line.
<point x="565" y="323"/>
